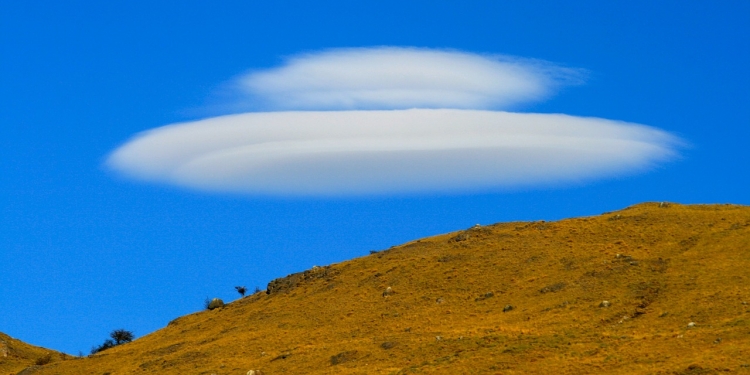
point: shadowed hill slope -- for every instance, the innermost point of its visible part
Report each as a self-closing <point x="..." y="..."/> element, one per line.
<point x="16" y="355"/>
<point x="523" y="297"/>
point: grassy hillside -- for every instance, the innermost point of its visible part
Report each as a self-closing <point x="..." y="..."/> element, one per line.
<point x="509" y="298"/>
<point x="16" y="355"/>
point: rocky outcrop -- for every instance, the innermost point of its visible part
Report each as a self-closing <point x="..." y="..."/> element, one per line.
<point x="3" y="349"/>
<point x="215" y="304"/>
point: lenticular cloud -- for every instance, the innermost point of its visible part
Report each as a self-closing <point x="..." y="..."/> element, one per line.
<point x="375" y="152"/>
<point x="401" y="78"/>
<point x="392" y="120"/>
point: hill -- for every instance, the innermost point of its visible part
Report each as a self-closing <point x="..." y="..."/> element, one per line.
<point x="16" y="355"/>
<point x="653" y="288"/>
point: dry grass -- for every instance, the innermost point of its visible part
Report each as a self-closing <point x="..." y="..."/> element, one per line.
<point x="676" y="264"/>
<point x="16" y="355"/>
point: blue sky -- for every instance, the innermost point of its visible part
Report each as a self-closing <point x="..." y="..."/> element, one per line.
<point x="85" y="249"/>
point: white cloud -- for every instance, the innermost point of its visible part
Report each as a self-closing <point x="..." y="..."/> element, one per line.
<point x="379" y="152"/>
<point x="401" y="78"/>
<point x="345" y="127"/>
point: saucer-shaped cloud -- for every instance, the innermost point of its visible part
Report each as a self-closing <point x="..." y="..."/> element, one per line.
<point x="401" y="78"/>
<point x="398" y="151"/>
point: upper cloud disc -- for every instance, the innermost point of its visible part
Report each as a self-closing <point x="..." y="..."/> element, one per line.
<point x="401" y="78"/>
<point x="379" y="152"/>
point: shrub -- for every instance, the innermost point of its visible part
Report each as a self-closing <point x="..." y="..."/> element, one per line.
<point x="43" y="360"/>
<point x="121" y="336"/>
<point x="241" y="290"/>
<point x="104" y="346"/>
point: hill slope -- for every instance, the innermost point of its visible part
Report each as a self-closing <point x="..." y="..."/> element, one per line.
<point x="16" y="355"/>
<point x="523" y="297"/>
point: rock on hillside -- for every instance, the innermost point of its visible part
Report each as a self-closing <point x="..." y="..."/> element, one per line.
<point x="654" y="288"/>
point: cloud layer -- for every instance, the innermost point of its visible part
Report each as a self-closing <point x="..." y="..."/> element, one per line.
<point x="402" y="78"/>
<point x="345" y="122"/>
<point x="379" y="152"/>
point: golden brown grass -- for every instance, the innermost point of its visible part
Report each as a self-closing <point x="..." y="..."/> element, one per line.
<point x="676" y="264"/>
<point x="16" y="355"/>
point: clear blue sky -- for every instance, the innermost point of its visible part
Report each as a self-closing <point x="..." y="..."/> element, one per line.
<point x="84" y="251"/>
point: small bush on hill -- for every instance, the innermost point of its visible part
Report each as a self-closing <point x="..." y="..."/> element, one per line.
<point x="43" y="360"/>
<point x="119" y="336"/>
<point x="104" y="346"/>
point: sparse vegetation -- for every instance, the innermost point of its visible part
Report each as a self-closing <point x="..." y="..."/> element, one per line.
<point x="107" y="344"/>
<point x="43" y="360"/>
<point x="241" y="290"/>
<point x="118" y="337"/>
<point x="541" y="289"/>
<point x="121" y="336"/>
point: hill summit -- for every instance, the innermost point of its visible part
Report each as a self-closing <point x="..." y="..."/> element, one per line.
<point x="654" y="288"/>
